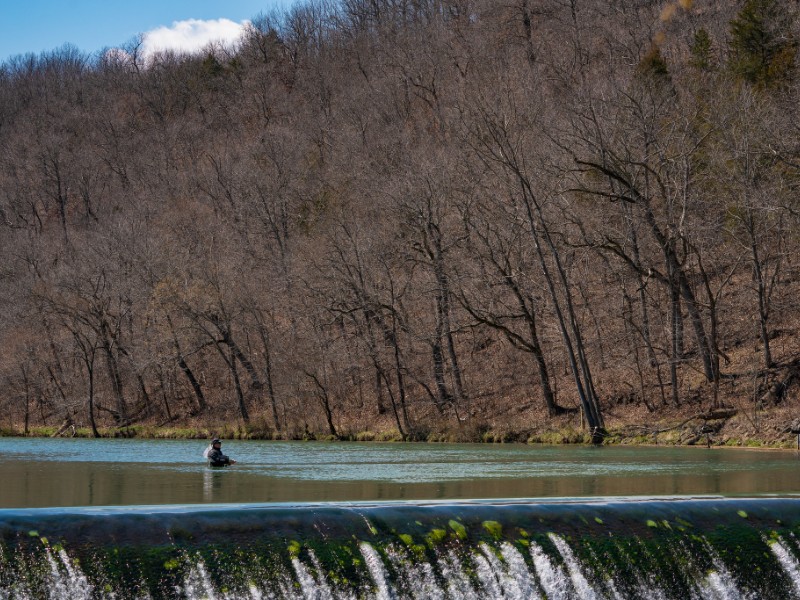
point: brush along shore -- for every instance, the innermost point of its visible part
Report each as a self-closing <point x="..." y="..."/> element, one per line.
<point x="727" y="427"/>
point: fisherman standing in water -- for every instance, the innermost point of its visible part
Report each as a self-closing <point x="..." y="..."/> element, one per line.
<point x="215" y="456"/>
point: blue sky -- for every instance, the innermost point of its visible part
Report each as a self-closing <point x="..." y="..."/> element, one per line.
<point x="38" y="25"/>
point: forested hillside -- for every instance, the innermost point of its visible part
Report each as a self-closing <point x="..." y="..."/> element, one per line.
<point x="419" y="216"/>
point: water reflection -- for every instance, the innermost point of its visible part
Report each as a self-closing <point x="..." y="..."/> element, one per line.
<point x="211" y="480"/>
<point x="35" y="484"/>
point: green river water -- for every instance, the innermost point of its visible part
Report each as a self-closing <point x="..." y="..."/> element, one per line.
<point x="81" y="472"/>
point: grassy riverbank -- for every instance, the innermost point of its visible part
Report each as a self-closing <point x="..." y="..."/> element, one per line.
<point x="721" y="428"/>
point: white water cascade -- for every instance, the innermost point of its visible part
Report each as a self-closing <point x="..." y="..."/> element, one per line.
<point x="496" y="572"/>
<point x="789" y="562"/>
<point x="448" y="557"/>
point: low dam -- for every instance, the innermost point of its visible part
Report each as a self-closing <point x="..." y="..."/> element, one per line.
<point x="704" y="547"/>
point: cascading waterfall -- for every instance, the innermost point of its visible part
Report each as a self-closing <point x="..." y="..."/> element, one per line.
<point x="659" y="549"/>
<point x="582" y="587"/>
<point x="552" y="578"/>
<point x="789" y="562"/>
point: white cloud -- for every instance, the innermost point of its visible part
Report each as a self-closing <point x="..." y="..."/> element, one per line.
<point x="192" y="35"/>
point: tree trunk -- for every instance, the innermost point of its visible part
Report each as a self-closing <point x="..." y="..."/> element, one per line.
<point x="571" y="335"/>
<point x="114" y="374"/>
<point x="248" y="366"/>
<point x="676" y="329"/>
<point x="398" y="365"/>
<point x="382" y="379"/>
<point x="238" y="387"/>
<point x="26" y="383"/>
<point x="148" y="409"/>
<point x="443" y="394"/>
<point x="196" y="388"/>
<point x="676" y="273"/>
<point x="444" y="329"/>
<point x="90" y="374"/>
<point x="325" y="401"/>
<point x="164" y="394"/>
<point x="395" y="412"/>
<point x="527" y="27"/>
<point x="763" y="311"/>
<point x="223" y="326"/>
<point x="268" y="374"/>
<point x="544" y="375"/>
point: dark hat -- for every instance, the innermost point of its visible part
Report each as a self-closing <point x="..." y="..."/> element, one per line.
<point x="215" y="441"/>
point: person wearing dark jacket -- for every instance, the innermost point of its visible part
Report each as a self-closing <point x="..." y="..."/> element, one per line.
<point x="215" y="456"/>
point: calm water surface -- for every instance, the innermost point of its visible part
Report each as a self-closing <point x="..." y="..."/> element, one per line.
<point x="80" y="472"/>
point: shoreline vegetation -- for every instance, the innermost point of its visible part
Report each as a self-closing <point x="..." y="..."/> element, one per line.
<point x="724" y="428"/>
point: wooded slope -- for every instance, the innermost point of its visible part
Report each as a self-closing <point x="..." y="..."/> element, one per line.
<point x="418" y="215"/>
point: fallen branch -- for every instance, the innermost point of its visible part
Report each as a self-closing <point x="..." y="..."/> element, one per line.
<point x="711" y="415"/>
